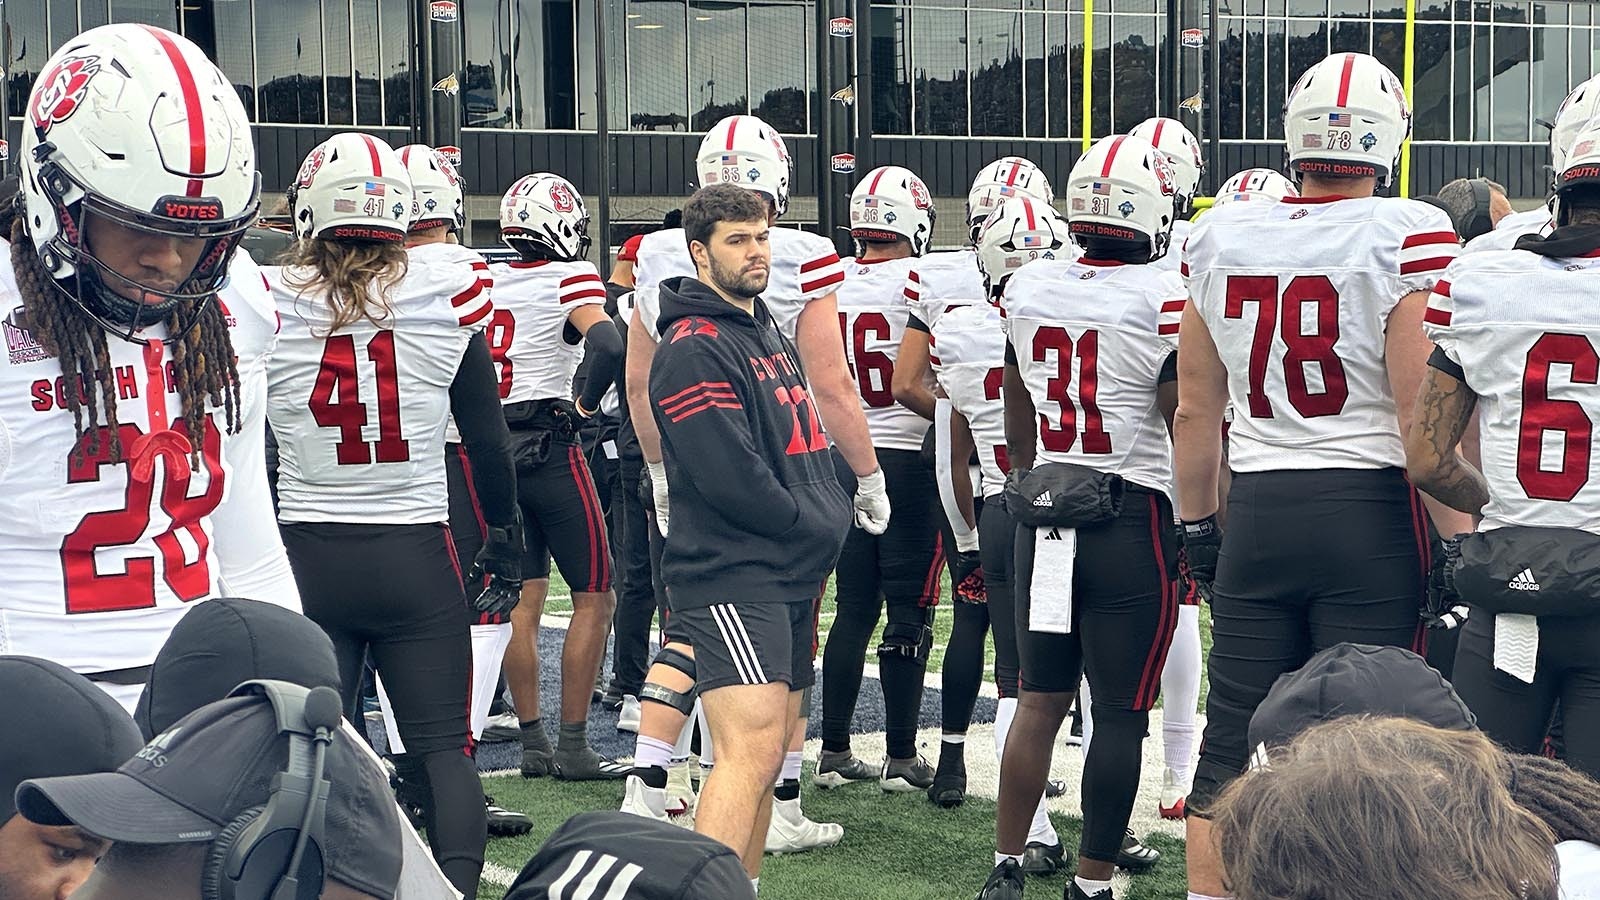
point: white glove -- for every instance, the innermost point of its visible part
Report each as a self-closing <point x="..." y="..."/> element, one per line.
<point x="658" y="493"/>
<point x="872" y="503"/>
<point x="966" y="541"/>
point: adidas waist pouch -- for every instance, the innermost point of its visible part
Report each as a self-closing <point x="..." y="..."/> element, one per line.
<point x="1531" y="571"/>
<point x="1063" y="495"/>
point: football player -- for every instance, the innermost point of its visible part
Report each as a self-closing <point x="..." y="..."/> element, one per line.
<point x="1185" y="162"/>
<point x="805" y="275"/>
<point x="546" y="304"/>
<point x="1306" y="317"/>
<point x="1515" y="345"/>
<point x="377" y="349"/>
<point x="1265" y="185"/>
<point x="133" y="452"/>
<point x="1090" y="385"/>
<point x="891" y="221"/>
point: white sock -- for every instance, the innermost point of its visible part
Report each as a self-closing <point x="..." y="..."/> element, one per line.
<point x="791" y="765"/>
<point x="649" y="751"/>
<point x="1004" y="712"/>
<point x="1090" y="887"/>
<point x="1002" y="857"/>
<point x="686" y="735"/>
<point x="1084" y="702"/>
<point x="755" y="885"/>
<point x="950" y="737"/>
<point x="706" y="758"/>
<point x="1180" y="694"/>
<point x="1194" y="896"/>
<point x="1040" y="830"/>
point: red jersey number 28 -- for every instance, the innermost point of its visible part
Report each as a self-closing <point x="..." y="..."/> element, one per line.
<point x="88" y="589"/>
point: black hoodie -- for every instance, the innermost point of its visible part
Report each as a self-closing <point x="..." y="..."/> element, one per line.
<point x="757" y="513"/>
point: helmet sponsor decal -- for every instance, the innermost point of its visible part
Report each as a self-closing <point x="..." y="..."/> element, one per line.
<point x="842" y="26"/>
<point x="452" y="155"/>
<point x="1368" y="141"/>
<point x="60" y="91"/>
<point x="843" y="163"/>
<point x="442" y="10"/>
<point x="189" y="209"/>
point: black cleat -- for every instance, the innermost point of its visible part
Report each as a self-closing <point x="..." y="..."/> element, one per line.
<point x="1073" y="892"/>
<point x="1054" y="788"/>
<point x="1136" y="857"/>
<point x="505" y="822"/>
<point x="949" y="788"/>
<point x="1043" y="860"/>
<point x="1005" y="883"/>
<point x="611" y="699"/>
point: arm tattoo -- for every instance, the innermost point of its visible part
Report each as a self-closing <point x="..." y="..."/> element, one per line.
<point x="1443" y="411"/>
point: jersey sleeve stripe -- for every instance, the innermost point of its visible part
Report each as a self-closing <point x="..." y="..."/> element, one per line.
<point x="934" y="359"/>
<point x="476" y="315"/>
<point x="694" y="387"/>
<point x="468" y="295"/>
<point x="580" y="279"/>
<point x="1174" y="306"/>
<point x="1429" y="237"/>
<point x="1183" y="269"/>
<point x="708" y="404"/>
<point x="480" y="266"/>
<point x="692" y="399"/>
<point x="828" y="280"/>
<point x="1442" y="288"/>
<point x="1436" y="316"/>
<point x="1434" y="264"/>
<point x="585" y="294"/>
<point x="821" y="262"/>
<point x="1167" y="328"/>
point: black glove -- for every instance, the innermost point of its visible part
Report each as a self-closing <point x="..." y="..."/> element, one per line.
<point x="1442" y="596"/>
<point x="500" y="560"/>
<point x="966" y="577"/>
<point x="1201" y="542"/>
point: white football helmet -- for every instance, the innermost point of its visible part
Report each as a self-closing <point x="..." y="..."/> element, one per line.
<point x="1020" y="231"/>
<point x="134" y="124"/>
<point x="1573" y="118"/>
<point x="746" y="151"/>
<point x="351" y="187"/>
<point x="1182" y="150"/>
<point x="1122" y="189"/>
<point x="1255" y="184"/>
<point x="891" y="202"/>
<point x="999" y="181"/>
<point x="1582" y="171"/>
<point x="436" y="187"/>
<point x="1347" y="116"/>
<point x="546" y="211"/>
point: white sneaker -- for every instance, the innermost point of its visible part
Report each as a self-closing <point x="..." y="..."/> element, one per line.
<point x="642" y="800"/>
<point x="1173" y="796"/>
<point x="792" y="832"/>
<point x="628" y="715"/>
<point x="680" y="792"/>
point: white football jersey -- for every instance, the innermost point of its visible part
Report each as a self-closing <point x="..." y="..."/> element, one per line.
<point x="527" y="333"/>
<point x="872" y="318"/>
<point x="1297" y="296"/>
<point x="447" y="253"/>
<point x="1536" y="219"/>
<point x="1090" y="340"/>
<point x="968" y="351"/>
<point x="100" y="563"/>
<point x="805" y="267"/>
<point x="360" y="414"/>
<point x="1510" y="230"/>
<point x="943" y="281"/>
<point x="1173" y="260"/>
<point x="1523" y="329"/>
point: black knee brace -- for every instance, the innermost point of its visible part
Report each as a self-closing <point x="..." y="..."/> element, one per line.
<point x="908" y="641"/>
<point x="679" y="700"/>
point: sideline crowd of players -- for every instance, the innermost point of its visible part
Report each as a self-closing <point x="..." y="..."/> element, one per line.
<point x="387" y="433"/>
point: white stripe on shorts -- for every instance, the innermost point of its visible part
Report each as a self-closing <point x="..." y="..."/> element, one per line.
<point x="738" y="641"/>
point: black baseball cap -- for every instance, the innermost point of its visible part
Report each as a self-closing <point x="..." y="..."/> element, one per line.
<point x="89" y="732"/>
<point x="632" y="858"/>
<point x="220" y="644"/>
<point x="216" y="763"/>
<point x="1357" y="679"/>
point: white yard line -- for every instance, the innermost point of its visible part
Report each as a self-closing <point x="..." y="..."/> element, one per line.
<point x="498" y="875"/>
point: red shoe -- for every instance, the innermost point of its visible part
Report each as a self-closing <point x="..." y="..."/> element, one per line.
<point x="1173" y="795"/>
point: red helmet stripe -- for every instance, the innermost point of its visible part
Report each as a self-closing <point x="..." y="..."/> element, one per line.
<point x="372" y="151"/>
<point x="1011" y="177"/>
<point x="873" y="187"/>
<point x="1344" y="79"/>
<point x="1111" y="155"/>
<point x="733" y="125"/>
<point x="1027" y="207"/>
<point x="405" y="155"/>
<point x="191" y="108"/>
<point x="1156" y="138"/>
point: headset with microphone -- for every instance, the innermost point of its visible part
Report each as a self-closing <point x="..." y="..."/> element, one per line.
<point x="1478" y="220"/>
<point x="276" y="851"/>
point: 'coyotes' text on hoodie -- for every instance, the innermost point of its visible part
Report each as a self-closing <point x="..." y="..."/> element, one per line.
<point x="757" y="513"/>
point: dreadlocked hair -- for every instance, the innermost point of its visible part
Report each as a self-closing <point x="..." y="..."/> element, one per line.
<point x="204" y="368"/>
<point x="354" y="277"/>
<point x="1565" y="799"/>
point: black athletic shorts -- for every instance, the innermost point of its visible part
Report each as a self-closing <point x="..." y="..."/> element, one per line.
<point x="1124" y="607"/>
<point x="1310" y="558"/>
<point x="750" y="642"/>
<point x="394" y="592"/>
<point x="562" y="517"/>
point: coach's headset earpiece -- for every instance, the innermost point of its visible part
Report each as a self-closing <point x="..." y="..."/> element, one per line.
<point x="275" y="852"/>
<point x="1478" y="222"/>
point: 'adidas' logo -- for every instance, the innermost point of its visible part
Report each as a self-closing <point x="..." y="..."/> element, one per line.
<point x="1523" y="581"/>
<point x="1043" y="499"/>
